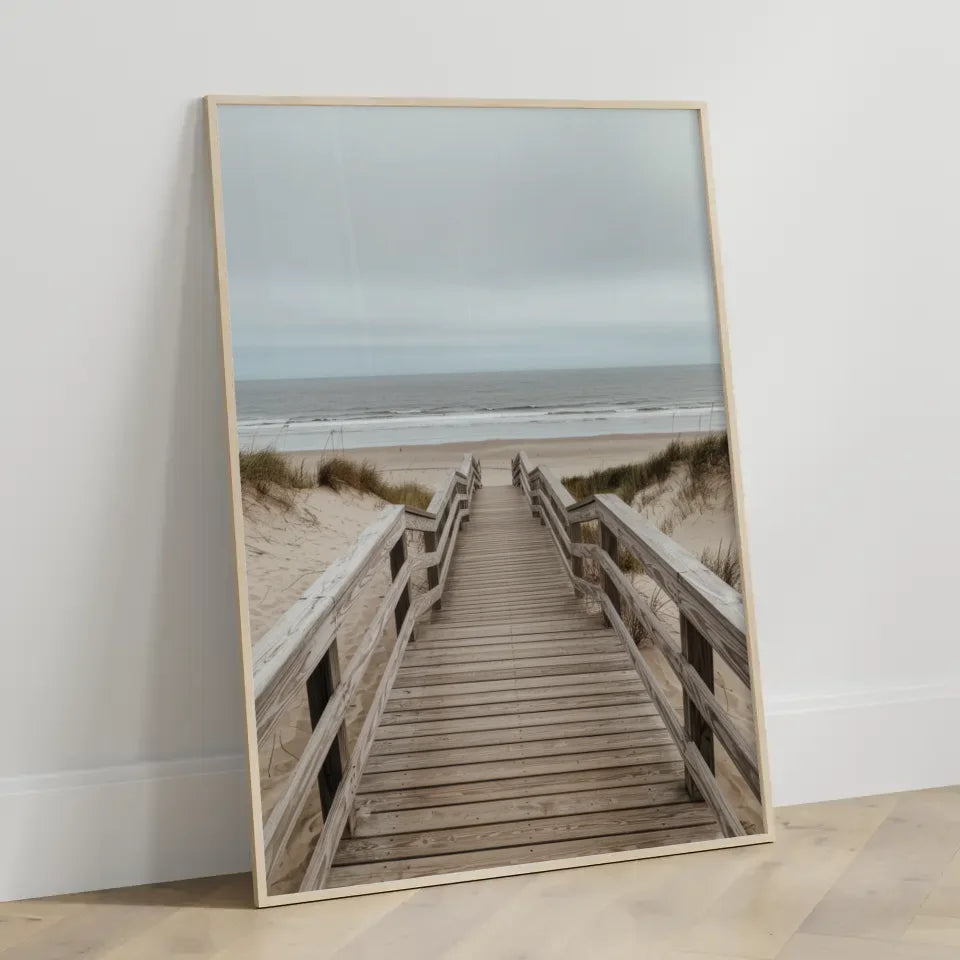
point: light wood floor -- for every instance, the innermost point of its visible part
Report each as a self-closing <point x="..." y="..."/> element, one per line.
<point x="870" y="879"/>
<point x="517" y="729"/>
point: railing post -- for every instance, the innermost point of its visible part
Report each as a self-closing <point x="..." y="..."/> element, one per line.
<point x="461" y="491"/>
<point x="576" y="536"/>
<point x="433" y="573"/>
<point x="610" y="544"/>
<point x="699" y="654"/>
<point x="321" y="685"/>
<point x="398" y="557"/>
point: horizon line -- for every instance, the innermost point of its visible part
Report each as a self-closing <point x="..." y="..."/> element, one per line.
<point x="438" y="373"/>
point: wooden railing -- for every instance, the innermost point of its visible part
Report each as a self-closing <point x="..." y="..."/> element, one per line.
<point x="711" y="621"/>
<point x="300" y="650"/>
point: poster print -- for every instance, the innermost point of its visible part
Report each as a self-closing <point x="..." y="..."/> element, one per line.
<point x="492" y="582"/>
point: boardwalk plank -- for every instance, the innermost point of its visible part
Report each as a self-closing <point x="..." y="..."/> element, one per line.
<point x="570" y="781"/>
<point x="426" y="708"/>
<point x="517" y="767"/>
<point x="509" y="719"/>
<point x="511" y="833"/>
<point x="518" y="733"/>
<point x="527" y="853"/>
<point x="513" y="809"/>
<point x="518" y="728"/>
<point x="509" y="751"/>
<point x="510" y="693"/>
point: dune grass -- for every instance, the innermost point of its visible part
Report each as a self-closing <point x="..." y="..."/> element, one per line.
<point x="267" y="472"/>
<point x="270" y="474"/>
<point x="339" y="471"/>
<point x="638" y="629"/>
<point x="725" y="563"/>
<point x="703" y="457"/>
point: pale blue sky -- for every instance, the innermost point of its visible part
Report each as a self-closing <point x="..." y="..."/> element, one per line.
<point x="390" y="240"/>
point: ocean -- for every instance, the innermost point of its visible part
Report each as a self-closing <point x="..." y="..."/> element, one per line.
<point x="353" y="412"/>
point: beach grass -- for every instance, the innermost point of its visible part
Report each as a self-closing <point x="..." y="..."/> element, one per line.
<point x="338" y="471"/>
<point x="267" y="472"/>
<point x="270" y="474"/>
<point x="725" y="563"/>
<point x="638" y="629"/>
<point x="703" y="457"/>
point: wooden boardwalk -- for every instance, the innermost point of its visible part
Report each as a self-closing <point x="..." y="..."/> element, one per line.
<point x="517" y="729"/>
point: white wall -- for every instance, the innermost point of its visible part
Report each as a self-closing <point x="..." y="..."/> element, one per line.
<point x="836" y="154"/>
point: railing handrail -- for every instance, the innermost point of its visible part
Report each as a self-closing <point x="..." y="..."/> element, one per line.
<point x="288" y="654"/>
<point x="711" y="612"/>
<point x="427" y="520"/>
<point x="300" y="638"/>
<point x="710" y="602"/>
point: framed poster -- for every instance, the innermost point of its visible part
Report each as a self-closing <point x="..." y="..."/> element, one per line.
<point x="483" y="457"/>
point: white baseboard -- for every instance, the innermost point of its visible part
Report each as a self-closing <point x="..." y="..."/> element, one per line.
<point x="122" y="826"/>
<point x="850" y="745"/>
<point x="154" y="822"/>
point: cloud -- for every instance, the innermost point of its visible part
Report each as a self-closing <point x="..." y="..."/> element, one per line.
<point x="425" y="237"/>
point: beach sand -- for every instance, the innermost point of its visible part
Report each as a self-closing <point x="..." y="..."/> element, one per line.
<point x="567" y="455"/>
<point x="289" y="546"/>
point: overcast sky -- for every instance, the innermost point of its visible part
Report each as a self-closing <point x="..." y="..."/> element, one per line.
<point x="378" y="240"/>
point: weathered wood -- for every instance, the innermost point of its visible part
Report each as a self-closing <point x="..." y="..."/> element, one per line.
<point x="592" y="630"/>
<point x="479" y="705"/>
<point x="624" y="681"/>
<point x="715" y="608"/>
<point x="526" y="809"/>
<point x="711" y="612"/>
<point x="323" y="852"/>
<point x="519" y="766"/>
<point x="471" y="673"/>
<point x="557" y="490"/>
<point x="433" y="571"/>
<point x="518" y="723"/>
<point x="516" y="751"/>
<point x="696" y="688"/>
<point x="611" y="547"/>
<point x="423" y="725"/>
<point x="494" y="653"/>
<point x="525" y="684"/>
<point x="305" y="637"/>
<point x="567" y="782"/>
<point x="576" y="558"/>
<point x="286" y="811"/>
<point x="697" y="768"/>
<point x="518" y="627"/>
<point x="544" y="830"/>
<point x="435" y="548"/>
<point x="320" y="688"/>
<point x="398" y="561"/>
<point x="449" y="740"/>
<point x="530" y="853"/>
<point x="531" y="609"/>
<point x="699" y="654"/>
<point x="558" y="527"/>
<point x="288" y="653"/>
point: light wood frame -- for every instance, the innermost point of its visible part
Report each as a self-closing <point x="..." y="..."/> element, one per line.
<point x="262" y="896"/>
